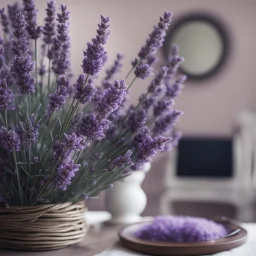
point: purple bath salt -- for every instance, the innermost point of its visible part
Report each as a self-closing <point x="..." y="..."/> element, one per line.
<point x="181" y="229"/>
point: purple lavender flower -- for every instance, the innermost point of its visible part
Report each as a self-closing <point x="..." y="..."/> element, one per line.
<point x="42" y="71"/>
<point x="173" y="90"/>
<point x="2" y="57"/>
<point x="94" y="128"/>
<point x="9" y="139"/>
<point x="158" y="80"/>
<point x="6" y="95"/>
<point x="49" y="27"/>
<point x="143" y="71"/>
<point x="162" y="106"/>
<point x="4" y="21"/>
<point x="112" y="98"/>
<point x="115" y="68"/>
<point x="12" y="11"/>
<point x="181" y="229"/>
<point x="34" y="31"/>
<point x="28" y="132"/>
<point x="156" y="38"/>
<point x="174" y="62"/>
<point x="22" y="64"/>
<point x="95" y="54"/>
<point x="84" y="92"/>
<point x="166" y="123"/>
<point x="136" y="120"/>
<point x="147" y="102"/>
<point x="146" y="147"/>
<point x="63" y="149"/>
<point x="122" y="161"/>
<point x="59" y="97"/>
<point x="61" y="44"/>
<point x="65" y="172"/>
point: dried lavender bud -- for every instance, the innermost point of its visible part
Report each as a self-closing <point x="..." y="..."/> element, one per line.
<point x="65" y="172"/>
<point x="166" y="123"/>
<point x="115" y="68"/>
<point x="95" y="54"/>
<point x="84" y="91"/>
<point x="136" y="120"/>
<point x="143" y="71"/>
<point x="181" y="230"/>
<point x="49" y="26"/>
<point x="111" y="99"/>
<point x="59" y="97"/>
<point x="61" y="44"/>
<point x="9" y="139"/>
<point x="94" y="128"/>
<point x="34" y="31"/>
<point x="4" y="21"/>
<point x="22" y="64"/>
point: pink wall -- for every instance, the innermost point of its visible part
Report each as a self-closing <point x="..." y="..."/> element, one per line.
<point x="210" y="107"/>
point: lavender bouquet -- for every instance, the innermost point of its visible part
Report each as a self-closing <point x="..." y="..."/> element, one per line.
<point x="64" y="141"/>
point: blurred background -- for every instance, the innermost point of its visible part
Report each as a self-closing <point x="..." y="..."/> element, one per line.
<point x="212" y="170"/>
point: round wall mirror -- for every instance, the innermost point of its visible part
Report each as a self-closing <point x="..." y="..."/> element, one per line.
<point x="203" y="42"/>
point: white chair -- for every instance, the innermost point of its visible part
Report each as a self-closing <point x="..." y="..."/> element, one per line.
<point x="237" y="190"/>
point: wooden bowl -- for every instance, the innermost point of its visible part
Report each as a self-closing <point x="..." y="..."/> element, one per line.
<point x="128" y="239"/>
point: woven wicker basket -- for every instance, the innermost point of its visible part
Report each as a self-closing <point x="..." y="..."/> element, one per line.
<point x="43" y="227"/>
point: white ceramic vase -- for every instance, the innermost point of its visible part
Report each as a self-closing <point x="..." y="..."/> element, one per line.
<point x="126" y="200"/>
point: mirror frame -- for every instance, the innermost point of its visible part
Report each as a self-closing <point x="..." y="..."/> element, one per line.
<point x="213" y="21"/>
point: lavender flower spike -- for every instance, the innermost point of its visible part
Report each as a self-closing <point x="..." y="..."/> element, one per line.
<point x="84" y="93"/>
<point x="49" y="27"/>
<point x="94" y="128"/>
<point x="95" y="54"/>
<point x="6" y="95"/>
<point x="166" y="123"/>
<point x="28" y="132"/>
<point x="136" y="120"/>
<point x="4" y="21"/>
<point x="63" y="149"/>
<point x="58" y="98"/>
<point x="61" y="44"/>
<point x="22" y="64"/>
<point x="112" y="98"/>
<point x="34" y="31"/>
<point x="122" y="161"/>
<point x="156" y="38"/>
<point x="173" y="90"/>
<point x="115" y="68"/>
<point x="9" y="139"/>
<point x="143" y="70"/>
<point x="65" y="172"/>
<point x="158" y="81"/>
<point x="146" y="147"/>
<point x="12" y="11"/>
